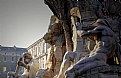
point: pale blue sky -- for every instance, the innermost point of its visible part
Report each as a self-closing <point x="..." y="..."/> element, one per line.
<point x="22" y="22"/>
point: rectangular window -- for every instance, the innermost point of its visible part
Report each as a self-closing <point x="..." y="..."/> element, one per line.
<point x="36" y="51"/>
<point x="5" y="59"/>
<point x="39" y="49"/>
<point x="12" y="59"/>
<point x="43" y="65"/>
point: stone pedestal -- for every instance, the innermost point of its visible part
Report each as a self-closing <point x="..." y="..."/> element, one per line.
<point x="102" y="72"/>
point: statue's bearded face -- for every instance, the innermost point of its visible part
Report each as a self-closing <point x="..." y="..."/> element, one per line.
<point x="27" y="58"/>
<point x="52" y="35"/>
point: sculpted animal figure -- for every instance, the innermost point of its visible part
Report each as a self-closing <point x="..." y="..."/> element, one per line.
<point x="103" y="51"/>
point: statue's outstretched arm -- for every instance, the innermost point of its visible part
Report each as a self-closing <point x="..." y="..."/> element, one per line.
<point x="90" y="33"/>
<point x="89" y="27"/>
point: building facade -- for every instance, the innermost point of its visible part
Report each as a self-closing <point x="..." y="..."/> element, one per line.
<point x="8" y="59"/>
<point x="39" y="48"/>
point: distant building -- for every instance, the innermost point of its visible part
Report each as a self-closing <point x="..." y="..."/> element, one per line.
<point x="39" y="48"/>
<point x="8" y="59"/>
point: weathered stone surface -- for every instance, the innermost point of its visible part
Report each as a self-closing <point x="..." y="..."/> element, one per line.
<point x="102" y="72"/>
<point x="97" y="20"/>
<point x="55" y="37"/>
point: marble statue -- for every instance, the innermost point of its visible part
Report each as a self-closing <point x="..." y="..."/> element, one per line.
<point x="54" y="37"/>
<point x="79" y="50"/>
<point x="96" y="23"/>
<point x="84" y="36"/>
<point x="31" y="67"/>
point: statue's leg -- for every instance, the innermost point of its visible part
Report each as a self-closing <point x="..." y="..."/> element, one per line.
<point x="70" y="72"/>
<point x="97" y="56"/>
<point x="65" y="64"/>
<point x="91" y="65"/>
<point x="86" y="64"/>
